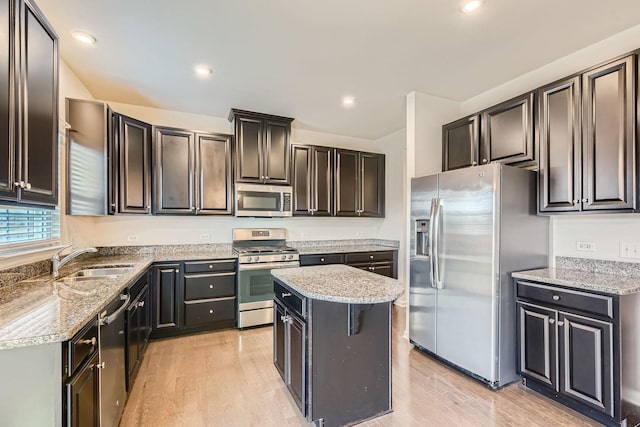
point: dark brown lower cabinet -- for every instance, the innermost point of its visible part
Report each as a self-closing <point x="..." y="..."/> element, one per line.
<point x="279" y="323"/>
<point x="380" y="262"/>
<point x="166" y="297"/>
<point x="138" y="329"/>
<point x="83" y="400"/>
<point x="569" y="345"/>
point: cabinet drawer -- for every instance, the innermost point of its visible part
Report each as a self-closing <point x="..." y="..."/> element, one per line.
<point x="135" y="288"/>
<point x="203" y="313"/>
<point x="82" y="346"/>
<point x="290" y="299"/>
<point x="382" y="268"/>
<point x="321" y="259"/>
<point x="369" y="257"/>
<point x="204" y="286"/>
<point x="207" y="266"/>
<point x="592" y="303"/>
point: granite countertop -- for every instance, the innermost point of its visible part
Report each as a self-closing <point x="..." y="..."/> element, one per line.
<point x="340" y="283"/>
<point x="45" y="310"/>
<point x="331" y="249"/>
<point x="587" y="280"/>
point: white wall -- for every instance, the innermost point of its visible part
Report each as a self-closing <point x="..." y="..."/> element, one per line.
<point x="607" y="231"/>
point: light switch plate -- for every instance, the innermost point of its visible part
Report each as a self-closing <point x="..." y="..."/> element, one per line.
<point x="585" y="246"/>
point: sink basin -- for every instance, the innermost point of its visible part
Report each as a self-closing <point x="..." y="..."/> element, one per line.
<point x="98" y="272"/>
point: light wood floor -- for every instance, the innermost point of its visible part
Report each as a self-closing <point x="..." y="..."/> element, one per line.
<point x="227" y="378"/>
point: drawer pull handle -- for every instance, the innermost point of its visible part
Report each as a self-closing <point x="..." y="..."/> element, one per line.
<point x="210" y="311"/>
<point x="286" y="294"/>
<point x="210" y="286"/>
<point x="210" y="266"/>
<point x="321" y="259"/>
<point x="100" y="365"/>
<point x="552" y="321"/>
<point x="556" y="297"/>
<point x="92" y="341"/>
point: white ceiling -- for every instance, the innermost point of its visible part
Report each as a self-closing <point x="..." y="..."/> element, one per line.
<point x="298" y="58"/>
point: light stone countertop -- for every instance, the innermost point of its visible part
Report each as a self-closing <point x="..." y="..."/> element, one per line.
<point x="340" y="283"/>
<point x="338" y="249"/>
<point x="586" y="280"/>
<point x="44" y="310"/>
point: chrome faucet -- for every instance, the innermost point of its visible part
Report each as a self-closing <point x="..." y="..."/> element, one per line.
<point x="56" y="262"/>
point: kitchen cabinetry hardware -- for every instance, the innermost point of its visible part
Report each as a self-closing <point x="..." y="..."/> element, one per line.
<point x="552" y="321"/>
<point x="141" y="304"/>
<point x="556" y="297"/>
<point x="92" y="341"/>
<point x="560" y="323"/>
<point x="100" y="365"/>
<point x="286" y="294"/>
<point x="585" y="200"/>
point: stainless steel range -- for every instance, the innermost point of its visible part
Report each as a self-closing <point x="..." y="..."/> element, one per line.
<point x="259" y="251"/>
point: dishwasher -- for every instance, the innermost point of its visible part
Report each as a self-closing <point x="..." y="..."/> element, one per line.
<point x="113" y="393"/>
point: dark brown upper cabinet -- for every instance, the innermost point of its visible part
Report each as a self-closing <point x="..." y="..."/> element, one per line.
<point x="134" y="165"/>
<point x="560" y="138"/>
<point x="359" y="183"/>
<point x="609" y="136"/>
<point x="262" y="147"/>
<point x="460" y="142"/>
<point x="507" y="131"/>
<point x="587" y="132"/>
<point x="28" y="105"/>
<point x="108" y="161"/>
<point x="192" y="172"/>
<point x="312" y="180"/>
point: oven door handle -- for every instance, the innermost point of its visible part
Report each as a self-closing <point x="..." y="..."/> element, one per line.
<point x="268" y="265"/>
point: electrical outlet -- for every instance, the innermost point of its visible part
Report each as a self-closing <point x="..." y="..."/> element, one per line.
<point x="585" y="246"/>
<point x="205" y="236"/>
<point x="629" y="250"/>
<point x="133" y="238"/>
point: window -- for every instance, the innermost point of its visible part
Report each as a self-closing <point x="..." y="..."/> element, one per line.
<point x="26" y="226"/>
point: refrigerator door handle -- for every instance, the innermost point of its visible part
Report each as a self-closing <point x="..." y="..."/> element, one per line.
<point x="431" y="242"/>
<point x="436" y="250"/>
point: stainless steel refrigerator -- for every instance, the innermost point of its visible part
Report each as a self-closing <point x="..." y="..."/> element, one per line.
<point x="470" y="228"/>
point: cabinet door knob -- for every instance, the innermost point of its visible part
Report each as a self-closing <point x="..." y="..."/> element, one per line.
<point x="560" y="323"/>
<point x="552" y="321"/>
<point x="19" y="184"/>
<point x="27" y="186"/>
<point x="141" y="304"/>
<point x="210" y="265"/>
<point x="210" y="311"/>
<point x="474" y="163"/>
<point x="92" y="341"/>
<point x="484" y="160"/>
<point x="286" y="294"/>
<point x="321" y="259"/>
<point x="177" y="271"/>
<point x="210" y="286"/>
<point x="100" y="365"/>
<point x="556" y="297"/>
<point x="585" y="200"/>
<point x="575" y="202"/>
<point x="148" y="207"/>
<point x="370" y="256"/>
<point x="266" y="177"/>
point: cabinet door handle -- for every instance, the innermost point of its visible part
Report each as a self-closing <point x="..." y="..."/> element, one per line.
<point x="141" y="304"/>
<point x="100" y="365"/>
<point x="321" y="259"/>
<point x="552" y="321"/>
<point x="585" y="200"/>
<point x="556" y="297"/>
<point x="27" y="186"/>
<point x="92" y="341"/>
<point x="484" y="160"/>
<point x="286" y="294"/>
<point x="211" y="311"/>
<point x="370" y="256"/>
<point x="19" y="184"/>
<point x="177" y="271"/>
<point x="474" y="163"/>
<point x="575" y="202"/>
<point x="210" y="286"/>
<point x="560" y="323"/>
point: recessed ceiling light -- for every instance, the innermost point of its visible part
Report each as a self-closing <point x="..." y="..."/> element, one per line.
<point x="471" y="5"/>
<point x="348" y="101"/>
<point x="203" y="70"/>
<point x="83" y="37"/>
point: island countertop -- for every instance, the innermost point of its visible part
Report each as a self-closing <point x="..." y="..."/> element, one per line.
<point x="340" y="283"/>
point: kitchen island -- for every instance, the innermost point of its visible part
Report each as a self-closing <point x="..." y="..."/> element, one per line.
<point x="332" y="341"/>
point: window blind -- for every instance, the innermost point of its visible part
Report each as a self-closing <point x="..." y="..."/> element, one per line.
<point x="26" y="225"/>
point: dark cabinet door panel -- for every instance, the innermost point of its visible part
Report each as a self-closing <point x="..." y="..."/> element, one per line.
<point x="133" y="344"/>
<point x="609" y="136"/>
<point x="560" y="168"/>
<point x="372" y="184"/>
<point x="174" y="171"/>
<point x="214" y="174"/>
<point x="586" y="348"/>
<point x="297" y="361"/>
<point x="347" y="181"/>
<point x="134" y="166"/>
<point x="276" y="152"/>
<point x="460" y="142"/>
<point x="7" y="101"/>
<point x="249" y="136"/>
<point x="166" y="294"/>
<point x="40" y="109"/>
<point x="279" y="343"/>
<point x="507" y="131"/>
<point x="301" y="179"/>
<point x="82" y="398"/>
<point x="322" y="160"/>
<point x="537" y="333"/>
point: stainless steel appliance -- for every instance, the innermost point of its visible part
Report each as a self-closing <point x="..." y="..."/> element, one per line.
<point x="259" y="251"/>
<point x="113" y="393"/>
<point x="263" y="200"/>
<point x="471" y="228"/>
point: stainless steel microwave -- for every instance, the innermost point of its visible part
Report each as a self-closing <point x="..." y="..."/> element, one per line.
<point x="263" y="200"/>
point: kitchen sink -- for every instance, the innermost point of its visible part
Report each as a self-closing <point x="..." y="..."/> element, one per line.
<point x="98" y="272"/>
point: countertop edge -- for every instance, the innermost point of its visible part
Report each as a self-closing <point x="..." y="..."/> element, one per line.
<point x="534" y="275"/>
